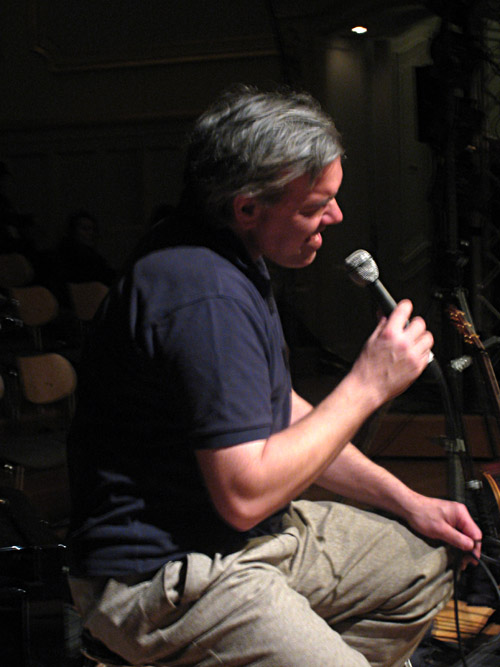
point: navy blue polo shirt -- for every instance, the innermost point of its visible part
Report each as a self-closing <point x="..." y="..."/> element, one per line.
<point x="187" y="353"/>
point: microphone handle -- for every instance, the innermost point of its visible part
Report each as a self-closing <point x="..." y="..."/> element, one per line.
<point x="385" y="300"/>
<point x="387" y="304"/>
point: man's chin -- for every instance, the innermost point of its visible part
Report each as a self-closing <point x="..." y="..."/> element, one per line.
<point x="300" y="262"/>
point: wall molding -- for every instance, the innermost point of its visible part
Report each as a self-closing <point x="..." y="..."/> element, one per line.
<point x="74" y="36"/>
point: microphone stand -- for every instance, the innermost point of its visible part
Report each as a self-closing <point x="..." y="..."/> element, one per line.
<point x="453" y="441"/>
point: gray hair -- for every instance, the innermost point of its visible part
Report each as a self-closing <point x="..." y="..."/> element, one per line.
<point x="254" y="143"/>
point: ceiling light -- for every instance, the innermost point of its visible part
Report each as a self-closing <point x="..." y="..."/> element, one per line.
<point x="359" y="29"/>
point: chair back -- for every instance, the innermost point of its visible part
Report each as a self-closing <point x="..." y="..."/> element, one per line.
<point x="46" y="378"/>
<point x="86" y="298"/>
<point x="36" y="306"/>
<point x="36" y="440"/>
<point x="15" y="270"/>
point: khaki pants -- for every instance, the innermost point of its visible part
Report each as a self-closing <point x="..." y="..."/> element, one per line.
<point x="337" y="587"/>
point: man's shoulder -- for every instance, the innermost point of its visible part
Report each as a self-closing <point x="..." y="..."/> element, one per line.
<point x="184" y="275"/>
<point x="195" y="262"/>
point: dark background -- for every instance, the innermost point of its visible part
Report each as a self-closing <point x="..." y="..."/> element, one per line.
<point x="96" y="98"/>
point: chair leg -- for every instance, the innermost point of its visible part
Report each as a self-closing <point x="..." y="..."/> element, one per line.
<point x="19" y="477"/>
<point x="37" y="338"/>
<point x="16" y="472"/>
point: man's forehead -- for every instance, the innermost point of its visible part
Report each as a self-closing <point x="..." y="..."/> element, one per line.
<point x="325" y="185"/>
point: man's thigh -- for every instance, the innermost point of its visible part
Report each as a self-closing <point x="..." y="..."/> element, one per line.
<point x="245" y="616"/>
<point x="350" y="561"/>
<point x="253" y="617"/>
<point x="335" y="585"/>
<point x="375" y="582"/>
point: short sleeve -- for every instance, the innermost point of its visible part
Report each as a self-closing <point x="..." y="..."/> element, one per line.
<point x="218" y="352"/>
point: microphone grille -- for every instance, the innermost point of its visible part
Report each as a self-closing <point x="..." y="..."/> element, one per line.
<point x="361" y="267"/>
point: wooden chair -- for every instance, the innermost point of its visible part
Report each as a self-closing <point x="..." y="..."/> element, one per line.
<point x="86" y="298"/>
<point x="36" y="306"/>
<point x="97" y="654"/>
<point x="47" y="378"/>
<point x="42" y="400"/>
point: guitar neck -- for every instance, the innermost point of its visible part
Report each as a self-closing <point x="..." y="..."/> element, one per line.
<point x="471" y="337"/>
<point x="492" y="381"/>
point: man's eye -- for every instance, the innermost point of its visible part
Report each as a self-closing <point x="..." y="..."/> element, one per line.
<point x="308" y="213"/>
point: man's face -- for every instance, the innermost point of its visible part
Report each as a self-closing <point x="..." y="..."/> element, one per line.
<point x="289" y="232"/>
<point x="86" y="232"/>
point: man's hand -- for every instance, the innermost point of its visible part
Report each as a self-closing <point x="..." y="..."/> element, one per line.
<point x="394" y="356"/>
<point x="447" y="521"/>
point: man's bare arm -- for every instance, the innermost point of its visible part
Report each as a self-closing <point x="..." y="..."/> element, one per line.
<point x="356" y="477"/>
<point x="250" y="481"/>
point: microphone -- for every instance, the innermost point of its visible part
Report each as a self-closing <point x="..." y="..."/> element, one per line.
<point x="363" y="271"/>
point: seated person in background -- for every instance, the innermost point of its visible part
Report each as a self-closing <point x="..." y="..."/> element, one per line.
<point x="189" y="446"/>
<point x="19" y="232"/>
<point x="79" y="259"/>
<point x="75" y="259"/>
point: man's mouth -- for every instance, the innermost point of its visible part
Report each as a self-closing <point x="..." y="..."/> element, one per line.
<point x="315" y="240"/>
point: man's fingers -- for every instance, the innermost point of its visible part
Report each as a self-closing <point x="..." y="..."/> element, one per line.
<point x="401" y="314"/>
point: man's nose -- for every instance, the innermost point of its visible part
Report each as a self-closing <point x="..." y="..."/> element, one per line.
<point x="333" y="214"/>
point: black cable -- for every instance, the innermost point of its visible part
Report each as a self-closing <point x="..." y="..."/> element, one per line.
<point x="457" y="619"/>
<point x="285" y="68"/>
<point x="492" y="540"/>
<point x="490" y="560"/>
<point x="487" y="571"/>
<point x="481" y="562"/>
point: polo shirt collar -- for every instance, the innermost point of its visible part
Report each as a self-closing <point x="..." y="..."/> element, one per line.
<point x="228" y="244"/>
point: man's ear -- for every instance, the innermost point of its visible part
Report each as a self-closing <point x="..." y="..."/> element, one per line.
<point x="246" y="211"/>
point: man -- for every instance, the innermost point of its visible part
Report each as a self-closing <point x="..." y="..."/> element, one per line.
<point x="189" y="444"/>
